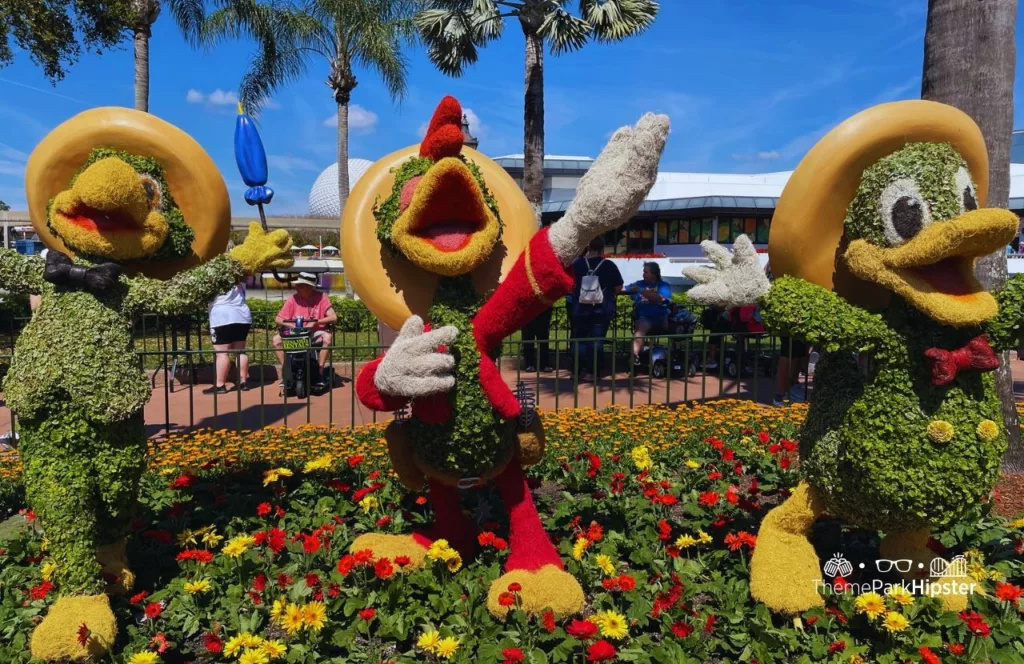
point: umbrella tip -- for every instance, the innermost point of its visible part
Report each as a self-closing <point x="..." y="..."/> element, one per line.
<point x="241" y="111"/>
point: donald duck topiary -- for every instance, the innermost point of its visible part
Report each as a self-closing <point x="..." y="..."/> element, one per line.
<point x="441" y="233"/>
<point x="135" y="216"/>
<point x="873" y="244"/>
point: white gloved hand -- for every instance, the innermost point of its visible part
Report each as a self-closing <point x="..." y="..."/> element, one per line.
<point x="413" y="367"/>
<point x="736" y="280"/>
<point x="611" y="192"/>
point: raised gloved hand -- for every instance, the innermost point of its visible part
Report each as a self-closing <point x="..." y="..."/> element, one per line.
<point x="413" y="367"/>
<point x="736" y="280"/>
<point x="611" y="192"/>
<point x="264" y="251"/>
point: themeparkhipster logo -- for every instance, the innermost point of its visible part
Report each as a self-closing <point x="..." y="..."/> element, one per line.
<point x="951" y="577"/>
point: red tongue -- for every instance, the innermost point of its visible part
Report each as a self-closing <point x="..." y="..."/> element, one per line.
<point x="946" y="277"/>
<point x="447" y="237"/>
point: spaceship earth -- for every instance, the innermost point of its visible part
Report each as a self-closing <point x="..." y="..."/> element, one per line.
<point x="323" y="197"/>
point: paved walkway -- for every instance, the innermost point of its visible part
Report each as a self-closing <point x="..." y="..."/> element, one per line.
<point x="180" y="407"/>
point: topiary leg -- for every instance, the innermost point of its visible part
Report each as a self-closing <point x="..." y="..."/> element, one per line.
<point x="784" y="570"/>
<point x="953" y="587"/>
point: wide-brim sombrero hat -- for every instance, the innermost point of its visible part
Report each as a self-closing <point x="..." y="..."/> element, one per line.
<point x="194" y="181"/>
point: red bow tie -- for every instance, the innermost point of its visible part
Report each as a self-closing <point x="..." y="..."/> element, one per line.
<point x="977" y="355"/>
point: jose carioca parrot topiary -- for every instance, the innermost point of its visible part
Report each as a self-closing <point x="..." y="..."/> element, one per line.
<point x="439" y="218"/>
<point x="75" y="382"/>
<point x="873" y="245"/>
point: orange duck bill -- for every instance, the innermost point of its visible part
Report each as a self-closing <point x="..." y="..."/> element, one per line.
<point x="445" y="226"/>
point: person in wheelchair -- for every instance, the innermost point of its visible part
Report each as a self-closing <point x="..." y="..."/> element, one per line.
<point x="316" y="311"/>
<point x="651" y="299"/>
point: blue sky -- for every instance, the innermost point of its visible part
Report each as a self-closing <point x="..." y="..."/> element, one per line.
<point x="749" y="85"/>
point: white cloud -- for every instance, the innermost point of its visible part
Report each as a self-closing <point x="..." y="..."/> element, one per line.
<point x="763" y="155"/>
<point x="360" y="120"/>
<point x="221" y="98"/>
<point x="288" y="164"/>
<point x="195" y="96"/>
<point x="476" y="126"/>
<point x="771" y="155"/>
<point x="14" y="168"/>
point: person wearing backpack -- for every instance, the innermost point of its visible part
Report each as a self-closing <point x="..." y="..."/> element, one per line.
<point x="598" y="284"/>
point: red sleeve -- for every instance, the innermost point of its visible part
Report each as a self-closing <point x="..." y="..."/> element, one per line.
<point x="368" y="393"/>
<point x="535" y="282"/>
<point x="288" y="309"/>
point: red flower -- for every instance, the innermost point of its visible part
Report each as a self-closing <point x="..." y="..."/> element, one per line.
<point x="512" y="655"/>
<point x="610" y="584"/>
<point x="402" y="561"/>
<point x="263" y="509"/>
<point x="595" y="464"/>
<point x="312" y="580"/>
<point x="664" y="530"/>
<point x="260" y="582"/>
<point x="927" y="656"/>
<point x="355" y="460"/>
<point x="582" y="629"/>
<point x="668" y="499"/>
<point x="731" y="496"/>
<point x="283" y="580"/>
<point x="709" y="625"/>
<point x="627" y="583"/>
<point x="672" y="551"/>
<point x="212" y="642"/>
<point x="201" y="556"/>
<point x="548" y="620"/>
<point x="346" y="565"/>
<point x="182" y="481"/>
<point x="841" y="584"/>
<point x="383" y="569"/>
<point x="714" y="475"/>
<point x="763" y="437"/>
<point x="682" y="629"/>
<point x="153" y="610"/>
<point x="277" y="540"/>
<point x="83" y="634"/>
<point x="788" y="445"/>
<point x="595" y="532"/>
<point x="421" y="500"/>
<point x="975" y="623"/>
<point x="956" y="649"/>
<point x="728" y="455"/>
<point x="601" y="651"/>
<point x="506" y="599"/>
<point x="384" y="520"/>
<point x="333" y="590"/>
<point x="736" y="541"/>
<point x="775" y="448"/>
<point x="138" y="597"/>
<point x="838" y="615"/>
<point x="515" y="587"/>
<point x="486" y="538"/>
<point x="375" y="475"/>
<point x="158" y="642"/>
<point x="311" y="544"/>
<point x="1009" y="592"/>
<point x="837" y="646"/>
<point x="364" y="557"/>
<point x="500" y="544"/>
<point x="785" y="463"/>
<point x="367" y="614"/>
<point x="708" y="499"/>
<point x="810" y="621"/>
<point x="41" y="591"/>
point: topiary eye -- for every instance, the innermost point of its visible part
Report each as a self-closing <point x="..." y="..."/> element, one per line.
<point x="904" y="211"/>
<point x="153" y="191"/>
<point x="964" y="185"/>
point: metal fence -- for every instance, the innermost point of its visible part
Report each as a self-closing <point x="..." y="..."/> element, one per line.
<point x="673" y="369"/>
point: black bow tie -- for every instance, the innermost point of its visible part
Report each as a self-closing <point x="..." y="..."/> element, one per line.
<point x="61" y="271"/>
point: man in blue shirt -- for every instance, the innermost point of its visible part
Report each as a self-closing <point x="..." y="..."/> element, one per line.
<point x="651" y="298"/>
<point x="591" y="321"/>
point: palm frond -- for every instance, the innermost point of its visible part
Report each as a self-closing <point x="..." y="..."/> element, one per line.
<point x="189" y="15"/>
<point x="271" y="69"/>
<point x="615" y="20"/>
<point x="452" y="37"/>
<point x="564" y="31"/>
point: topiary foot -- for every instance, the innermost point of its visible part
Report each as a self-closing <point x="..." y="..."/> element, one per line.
<point x="114" y="560"/>
<point x="785" y="573"/>
<point x="57" y="637"/>
<point x="392" y="547"/>
<point x="951" y="585"/>
<point x="546" y="588"/>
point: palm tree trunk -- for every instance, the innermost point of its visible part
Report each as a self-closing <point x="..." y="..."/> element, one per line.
<point x="969" y="59"/>
<point x="343" y="171"/>
<point x="533" y="123"/>
<point x="142" y="68"/>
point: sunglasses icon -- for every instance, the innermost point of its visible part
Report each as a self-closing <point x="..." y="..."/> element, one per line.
<point x="903" y="566"/>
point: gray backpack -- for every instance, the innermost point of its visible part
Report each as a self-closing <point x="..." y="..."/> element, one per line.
<point x="590" y="287"/>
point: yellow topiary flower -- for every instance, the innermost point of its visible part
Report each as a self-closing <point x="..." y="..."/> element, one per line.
<point x="940" y="431"/>
<point x="988" y="430"/>
<point x="895" y="622"/>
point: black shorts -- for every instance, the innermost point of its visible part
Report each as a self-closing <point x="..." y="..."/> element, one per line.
<point x="223" y="335"/>
<point x="800" y="349"/>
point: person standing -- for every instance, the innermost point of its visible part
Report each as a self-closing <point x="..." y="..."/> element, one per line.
<point x="598" y="284"/>
<point x="230" y="321"/>
<point x="535" y="335"/>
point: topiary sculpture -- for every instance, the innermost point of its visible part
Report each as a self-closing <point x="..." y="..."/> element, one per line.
<point x="430" y="231"/>
<point x="873" y="243"/>
<point x="128" y="195"/>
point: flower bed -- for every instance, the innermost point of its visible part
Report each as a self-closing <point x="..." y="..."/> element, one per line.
<point x="241" y="556"/>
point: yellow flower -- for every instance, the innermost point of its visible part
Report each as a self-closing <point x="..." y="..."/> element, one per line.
<point x="641" y="457"/>
<point x="895" y="622"/>
<point x="186" y="537"/>
<point x="856" y="659"/>
<point x="446" y="647"/>
<point x="314" y="616"/>
<point x="428" y="640"/>
<point x="691" y="464"/>
<point x="900" y="595"/>
<point x="251" y="656"/>
<point x="439" y="550"/>
<point x="293" y="618"/>
<point x="454" y="562"/>
<point x="238" y="545"/>
<point x="940" y="431"/>
<point x="47" y="570"/>
<point x="704" y="537"/>
<point x="613" y="624"/>
<point x="275" y="474"/>
<point x="278" y="608"/>
<point x="579" y="547"/>
<point x="1019" y="523"/>
<point x="234" y="645"/>
<point x="988" y="430"/>
<point x="250" y="640"/>
<point x="274" y="649"/>
<point x="200" y="586"/>
<point x="320" y="463"/>
<point x="604" y="563"/>
<point x="212" y="538"/>
<point x="144" y="657"/>
<point x="871" y="604"/>
<point x="45" y="544"/>
<point x="368" y="503"/>
<point x="685" y="541"/>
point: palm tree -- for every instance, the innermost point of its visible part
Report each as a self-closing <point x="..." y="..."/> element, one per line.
<point x="343" y="34"/>
<point x="454" y="29"/>
<point x="188" y="14"/>
<point x="969" y="60"/>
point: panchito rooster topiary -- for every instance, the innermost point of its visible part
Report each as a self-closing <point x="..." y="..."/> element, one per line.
<point x="431" y="231"/>
<point x="873" y="244"/>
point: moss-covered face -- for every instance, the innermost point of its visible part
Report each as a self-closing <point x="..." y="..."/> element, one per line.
<point x="440" y="216"/>
<point x="118" y="207"/>
<point x="916" y="230"/>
